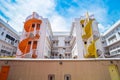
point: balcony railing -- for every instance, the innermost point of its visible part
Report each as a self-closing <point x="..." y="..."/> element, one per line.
<point x="31" y="34"/>
<point x="55" y="50"/>
<point x="55" y="44"/>
<point x="68" y="44"/>
<point x="55" y="38"/>
<point x="34" y="15"/>
<point x="68" y="51"/>
<point x="32" y="51"/>
<point x="68" y="38"/>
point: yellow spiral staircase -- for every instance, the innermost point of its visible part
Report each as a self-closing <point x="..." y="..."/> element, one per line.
<point x="87" y="34"/>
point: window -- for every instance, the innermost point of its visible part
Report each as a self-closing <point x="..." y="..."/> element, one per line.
<point x="83" y="25"/>
<point x="60" y="56"/>
<point x="2" y="33"/>
<point x="38" y="27"/>
<point x="67" y="77"/>
<point x="65" y="54"/>
<point x="15" y="41"/>
<point x="119" y="33"/>
<point x="67" y="43"/>
<point x="64" y="48"/>
<point x="69" y="55"/>
<point x="56" y="54"/>
<point x="112" y="39"/>
<point x="113" y="47"/>
<point x="53" y="42"/>
<point x="103" y="42"/>
<point x="85" y="42"/>
<point x="33" y="25"/>
<point x="51" y="77"/>
<point x="29" y="42"/>
<point x="110" y="49"/>
<point x="114" y="52"/>
<point x="3" y="51"/>
<point x="10" y="37"/>
<point x="118" y="50"/>
<point x="34" y="45"/>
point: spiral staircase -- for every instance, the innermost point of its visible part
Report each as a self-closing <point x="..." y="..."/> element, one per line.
<point x="28" y="45"/>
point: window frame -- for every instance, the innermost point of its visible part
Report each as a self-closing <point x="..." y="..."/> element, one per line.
<point x="51" y="75"/>
<point x="67" y="75"/>
<point x="2" y="33"/>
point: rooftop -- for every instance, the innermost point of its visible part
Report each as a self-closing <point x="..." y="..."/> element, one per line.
<point x="82" y="59"/>
<point x="9" y="27"/>
<point x="61" y="33"/>
<point x="33" y="15"/>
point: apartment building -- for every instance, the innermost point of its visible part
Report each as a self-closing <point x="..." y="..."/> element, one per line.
<point x="61" y="48"/>
<point x="9" y="40"/>
<point x="36" y="38"/>
<point x="72" y="45"/>
<point x="111" y="41"/>
<point x="85" y="40"/>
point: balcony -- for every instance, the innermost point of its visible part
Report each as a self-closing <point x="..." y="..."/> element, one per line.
<point x="55" y="38"/>
<point x="54" y="55"/>
<point x="112" y="39"/>
<point x="33" y="54"/>
<point x="67" y="44"/>
<point x="67" y="56"/>
<point x="34" y="15"/>
<point x="68" y="51"/>
<point x="34" y="34"/>
<point x="55" y="44"/>
<point x="68" y="38"/>
<point x="55" y="51"/>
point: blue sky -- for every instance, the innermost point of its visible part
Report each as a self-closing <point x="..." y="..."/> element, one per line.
<point x="61" y="13"/>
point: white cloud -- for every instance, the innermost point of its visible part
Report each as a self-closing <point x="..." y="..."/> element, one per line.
<point x="22" y="8"/>
<point x="59" y="23"/>
<point x="101" y="27"/>
<point x="99" y="11"/>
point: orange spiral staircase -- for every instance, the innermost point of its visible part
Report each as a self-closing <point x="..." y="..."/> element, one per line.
<point x="32" y="28"/>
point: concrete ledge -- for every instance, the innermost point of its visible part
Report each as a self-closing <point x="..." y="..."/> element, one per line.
<point x="79" y="69"/>
<point x="82" y="59"/>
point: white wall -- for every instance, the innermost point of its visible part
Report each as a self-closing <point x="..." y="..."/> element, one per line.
<point x="79" y="43"/>
<point x="61" y="42"/>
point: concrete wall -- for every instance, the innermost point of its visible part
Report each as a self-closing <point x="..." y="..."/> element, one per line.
<point x="78" y="69"/>
<point x="61" y="42"/>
